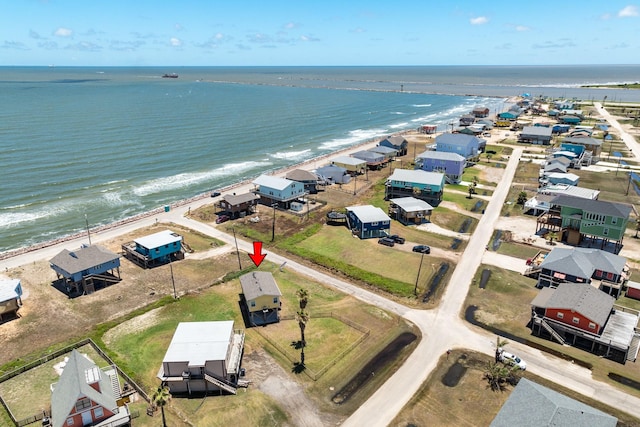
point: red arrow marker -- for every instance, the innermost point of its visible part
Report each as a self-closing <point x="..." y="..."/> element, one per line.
<point x="257" y="256"/>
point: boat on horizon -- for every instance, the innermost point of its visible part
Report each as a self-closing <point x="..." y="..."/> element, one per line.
<point x="170" y="76"/>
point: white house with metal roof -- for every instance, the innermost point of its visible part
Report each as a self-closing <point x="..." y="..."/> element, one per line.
<point x="409" y="210"/>
<point x="351" y="164"/>
<point x="203" y="357"/>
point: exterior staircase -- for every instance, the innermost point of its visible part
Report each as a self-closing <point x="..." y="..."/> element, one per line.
<point x="632" y="354"/>
<point x="115" y="384"/>
<point x="220" y="383"/>
<point x="545" y="325"/>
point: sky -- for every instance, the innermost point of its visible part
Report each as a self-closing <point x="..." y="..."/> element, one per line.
<point x="318" y="32"/>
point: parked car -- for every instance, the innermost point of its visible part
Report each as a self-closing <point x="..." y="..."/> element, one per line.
<point x="512" y="359"/>
<point x="222" y="218"/>
<point x="397" y="239"/>
<point x="387" y="241"/>
<point x="215" y="194"/>
<point x="423" y="249"/>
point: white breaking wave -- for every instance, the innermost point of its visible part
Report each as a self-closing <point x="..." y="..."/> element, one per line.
<point x="291" y="155"/>
<point x="355" y="136"/>
<point x="188" y="179"/>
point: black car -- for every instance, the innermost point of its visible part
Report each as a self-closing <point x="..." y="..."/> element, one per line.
<point x="397" y="239"/>
<point x="387" y="241"/>
<point x="423" y="249"/>
<point x="215" y="194"/>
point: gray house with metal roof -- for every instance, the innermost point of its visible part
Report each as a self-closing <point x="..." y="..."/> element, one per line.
<point x="603" y="270"/>
<point x="262" y="297"/>
<point x="84" y="269"/>
<point x="409" y="210"/>
<point x="87" y="395"/>
<point x="203" y="357"/>
<point x="10" y="298"/>
<point x="533" y="405"/>
<point x="584" y="317"/>
<point x="539" y="135"/>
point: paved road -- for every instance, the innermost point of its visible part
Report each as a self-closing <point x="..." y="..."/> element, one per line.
<point x="442" y="328"/>
<point x="629" y="140"/>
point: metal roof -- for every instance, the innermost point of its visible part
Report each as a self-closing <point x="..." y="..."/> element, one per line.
<point x="441" y="155"/>
<point x="10" y="289"/>
<point x="570" y="190"/>
<point x="259" y="283"/>
<point x="411" y="204"/>
<point x="582" y="262"/>
<point x="199" y="342"/>
<point x="620" y="210"/>
<point x="83" y="258"/>
<point x="161" y="238"/>
<point x="272" y="182"/>
<point x="346" y="160"/>
<point x="417" y="176"/>
<point x="536" y="131"/>
<point x="301" y="175"/>
<point x="368" y="213"/>
<point x="234" y="199"/>
<point x="533" y="405"/>
<point x="456" y="139"/>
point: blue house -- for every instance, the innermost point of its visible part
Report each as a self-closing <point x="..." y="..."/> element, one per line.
<point x="80" y="271"/>
<point x="155" y="249"/>
<point x="509" y="115"/>
<point x="423" y="185"/>
<point x="465" y="145"/>
<point x="279" y="191"/>
<point x="397" y="142"/>
<point x="368" y="221"/>
<point x="10" y="298"/>
<point x="451" y="164"/>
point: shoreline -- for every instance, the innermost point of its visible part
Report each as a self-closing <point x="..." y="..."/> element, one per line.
<point x="184" y="202"/>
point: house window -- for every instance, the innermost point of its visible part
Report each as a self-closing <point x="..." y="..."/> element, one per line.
<point x="83" y="404"/>
<point x="253" y="303"/>
<point x="275" y="300"/>
<point x="560" y="315"/>
<point x="609" y="276"/>
<point x="98" y="412"/>
<point x="592" y="325"/>
<point x="69" y="421"/>
<point x="374" y="224"/>
<point x="614" y="220"/>
<point x="605" y="231"/>
<point x="576" y="320"/>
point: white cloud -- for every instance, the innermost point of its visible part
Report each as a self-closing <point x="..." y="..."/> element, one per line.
<point x="290" y="25"/>
<point x="522" y="28"/>
<point x="176" y="42"/>
<point x="479" y="20"/>
<point x="63" y="32"/>
<point x="628" y="11"/>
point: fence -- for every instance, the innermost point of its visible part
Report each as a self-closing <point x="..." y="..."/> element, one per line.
<point x="309" y="372"/>
<point x="34" y="418"/>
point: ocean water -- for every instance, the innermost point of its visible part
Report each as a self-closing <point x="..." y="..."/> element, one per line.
<point x="99" y="145"/>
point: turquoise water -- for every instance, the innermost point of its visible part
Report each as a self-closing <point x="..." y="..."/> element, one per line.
<point x="110" y="143"/>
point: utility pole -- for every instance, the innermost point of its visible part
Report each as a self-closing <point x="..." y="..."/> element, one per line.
<point x="415" y="288"/>
<point x="86" y="220"/>
<point x="273" y="224"/>
<point x="237" y="251"/>
<point x="173" y="282"/>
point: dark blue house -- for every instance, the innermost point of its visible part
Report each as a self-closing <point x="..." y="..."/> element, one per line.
<point x="368" y="221"/>
<point x="80" y="269"/>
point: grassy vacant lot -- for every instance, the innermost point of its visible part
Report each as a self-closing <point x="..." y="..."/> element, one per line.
<point x="339" y="246"/>
<point x="612" y="185"/>
<point x="505" y="304"/>
<point x="471" y="402"/>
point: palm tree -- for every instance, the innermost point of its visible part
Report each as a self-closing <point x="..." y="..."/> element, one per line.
<point x="551" y="236"/>
<point x="499" y="375"/>
<point x="522" y="197"/>
<point x="161" y="397"/>
<point x="499" y="344"/>
<point x="303" y="318"/>
<point x="472" y="188"/>
<point x="303" y="298"/>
